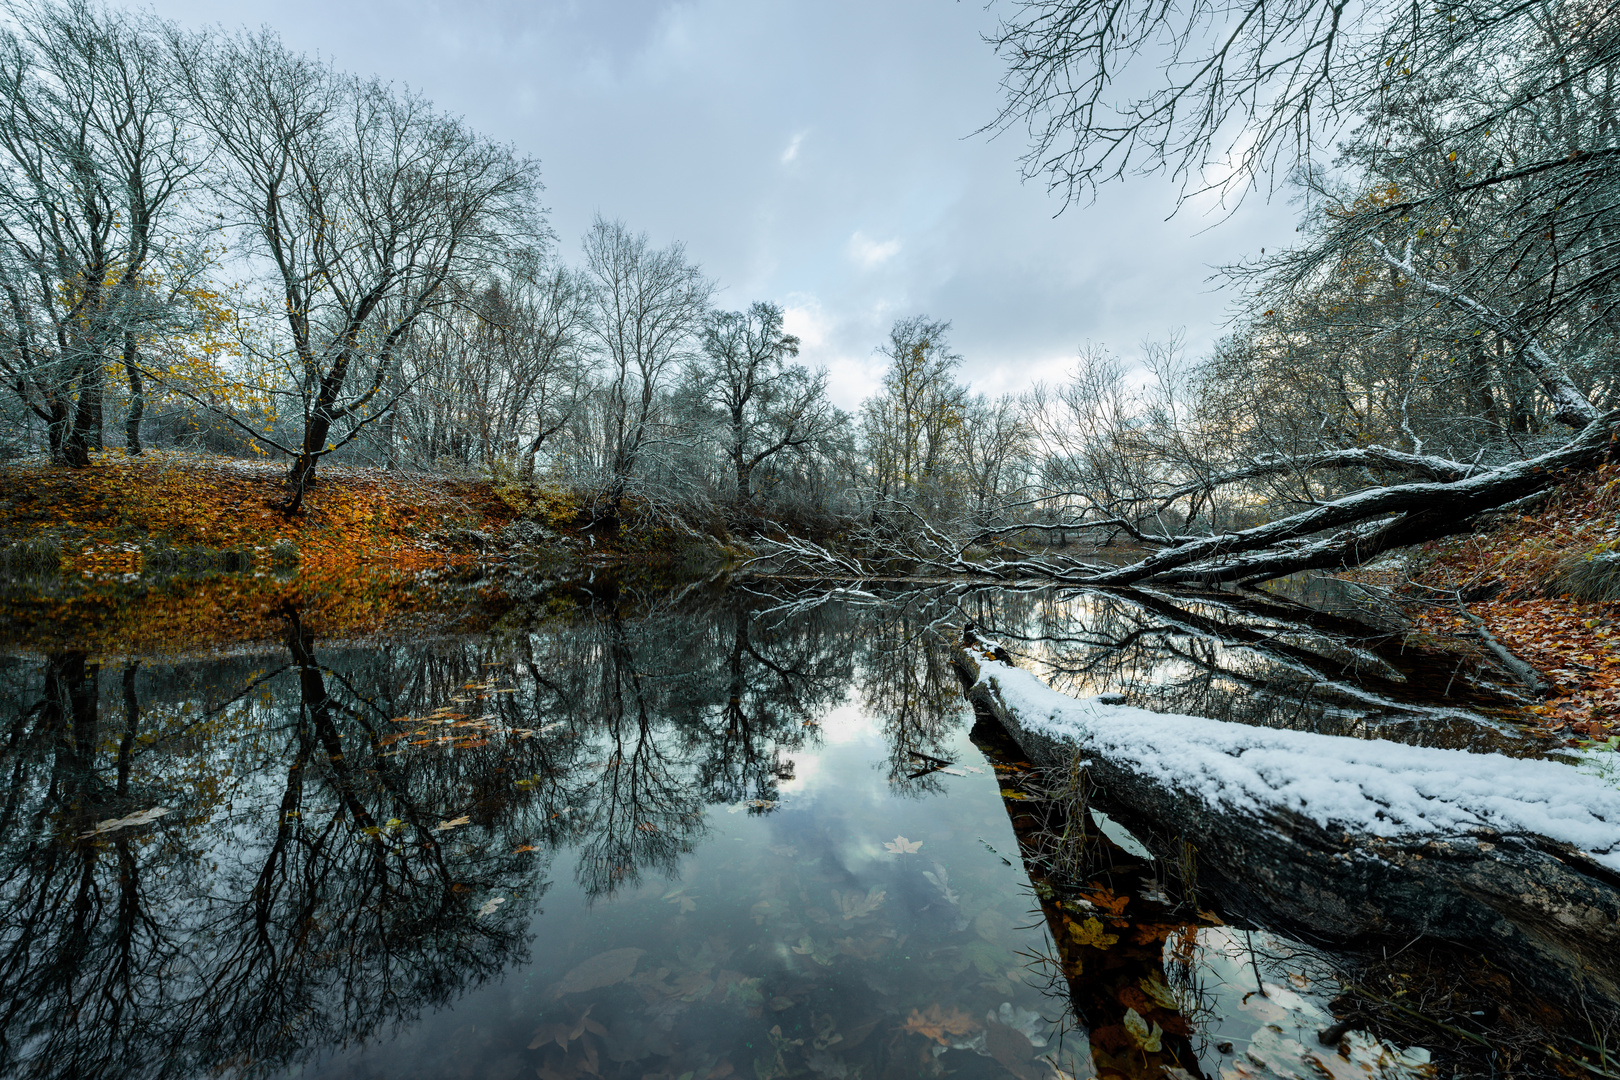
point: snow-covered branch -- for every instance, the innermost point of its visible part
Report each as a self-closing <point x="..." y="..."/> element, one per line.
<point x="1570" y="406"/>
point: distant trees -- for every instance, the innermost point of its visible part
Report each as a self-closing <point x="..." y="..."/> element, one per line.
<point x="912" y="424"/>
<point x="930" y="445"/>
<point x="496" y="377"/>
<point x="647" y="305"/>
<point x="763" y="404"/>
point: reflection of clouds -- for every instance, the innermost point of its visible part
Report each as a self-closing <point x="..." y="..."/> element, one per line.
<point x="847" y="723"/>
<point x="818" y="775"/>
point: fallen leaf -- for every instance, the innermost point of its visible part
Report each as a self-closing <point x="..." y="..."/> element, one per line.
<point x="853" y="905"/>
<point x="937" y="1024"/>
<point x="114" y="824"/>
<point x="1011" y="1048"/>
<point x="490" y="905"/>
<point x="1149" y="1040"/>
<point x="1157" y="989"/>
<point x="452" y="823"/>
<point x="1107" y="901"/>
<point x="901" y="846"/>
<point x="603" y="969"/>
<point x="1091" y="932"/>
<point x="563" y="1034"/>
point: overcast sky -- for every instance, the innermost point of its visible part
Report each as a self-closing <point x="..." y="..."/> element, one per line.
<point x="819" y="154"/>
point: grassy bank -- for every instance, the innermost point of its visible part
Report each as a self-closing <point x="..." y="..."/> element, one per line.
<point x="170" y="512"/>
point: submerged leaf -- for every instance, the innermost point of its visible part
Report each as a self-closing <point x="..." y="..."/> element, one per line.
<point x="1157" y="989"/>
<point x="853" y="905"/>
<point x="901" y="846"/>
<point x="1149" y="1040"/>
<point x="603" y="969"/>
<point x="937" y="1023"/>
<point x="114" y="824"/>
<point x="1011" y="1048"/>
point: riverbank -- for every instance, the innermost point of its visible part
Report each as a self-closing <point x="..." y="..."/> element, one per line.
<point x="1545" y="585"/>
<point x="168" y="511"/>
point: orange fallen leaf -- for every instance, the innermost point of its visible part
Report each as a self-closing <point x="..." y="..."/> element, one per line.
<point x="937" y="1023"/>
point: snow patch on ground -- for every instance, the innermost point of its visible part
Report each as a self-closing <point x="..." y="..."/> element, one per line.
<point x="1370" y="786"/>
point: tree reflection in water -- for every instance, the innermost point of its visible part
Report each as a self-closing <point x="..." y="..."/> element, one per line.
<point x="1248" y="658"/>
<point x="363" y="832"/>
<point x="313" y="885"/>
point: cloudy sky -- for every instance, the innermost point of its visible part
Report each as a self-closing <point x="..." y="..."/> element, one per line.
<point x="820" y="154"/>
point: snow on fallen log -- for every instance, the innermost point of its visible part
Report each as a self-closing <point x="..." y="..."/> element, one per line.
<point x="1368" y="786"/>
<point x="1346" y="837"/>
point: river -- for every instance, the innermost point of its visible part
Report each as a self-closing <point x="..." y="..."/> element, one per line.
<point x="608" y="832"/>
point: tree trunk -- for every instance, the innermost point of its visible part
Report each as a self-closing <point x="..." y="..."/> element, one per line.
<point x="76" y="441"/>
<point x="1547" y="913"/>
<point x="92" y="395"/>
<point x="137" y="397"/>
<point x="56" y="429"/>
<point x="389" y="448"/>
<point x="316" y="431"/>
<point x="1479" y="387"/>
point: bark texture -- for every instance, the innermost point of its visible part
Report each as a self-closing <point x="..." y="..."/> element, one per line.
<point x="1541" y="909"/>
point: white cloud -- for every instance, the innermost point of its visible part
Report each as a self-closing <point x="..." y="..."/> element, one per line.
<point x="805" y="320"/>
<point x="839" y="345"/>
<point x="792" y="151"/>
<point x="870" y="253"/>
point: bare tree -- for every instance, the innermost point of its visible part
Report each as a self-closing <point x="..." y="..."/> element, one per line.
<point x="1233" y="90"/>
<point x="97" y="152"/>
<point x="996" y="444"/>
<point x="647" y="308"/>
<point x="497" y="376"/>
<point x="911" y="425"/>
<point x="361" y="204"/>
<point x="766" y="405"/>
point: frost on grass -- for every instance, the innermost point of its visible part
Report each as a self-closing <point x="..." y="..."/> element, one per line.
<point x="1368" y="786"/>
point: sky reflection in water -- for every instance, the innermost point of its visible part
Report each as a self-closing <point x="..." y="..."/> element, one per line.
<point x="677" y="844"/>
<point x="690" y="844"/>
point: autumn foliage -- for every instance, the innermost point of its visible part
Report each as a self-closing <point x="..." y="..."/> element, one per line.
<point x="1516" y="578"/>
<point x="368" y="550"/>
<point x="102" y="517"/>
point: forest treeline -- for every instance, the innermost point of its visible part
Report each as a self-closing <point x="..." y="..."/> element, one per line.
<point x="210" y="241"/>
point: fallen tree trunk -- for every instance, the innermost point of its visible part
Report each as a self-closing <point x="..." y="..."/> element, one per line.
<point x="1334" y="534"/>
<point x="1344" y="838"/>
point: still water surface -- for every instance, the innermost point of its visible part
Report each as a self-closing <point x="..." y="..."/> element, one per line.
<point x="739" y="837"/>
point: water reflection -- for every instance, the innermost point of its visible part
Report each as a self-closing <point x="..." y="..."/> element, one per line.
<point x="1252" y="659"/>
<point x="309" y="857"/>
<point x="740" y="835"/>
